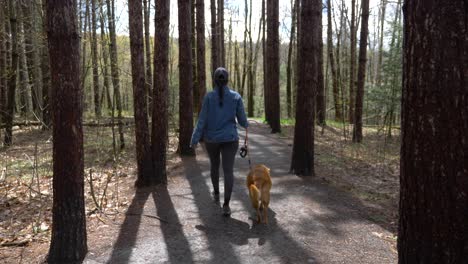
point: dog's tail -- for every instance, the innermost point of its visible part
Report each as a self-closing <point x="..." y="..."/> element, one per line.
<point x="254" y="194"/>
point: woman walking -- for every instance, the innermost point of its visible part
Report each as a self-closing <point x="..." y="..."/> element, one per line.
<point x="218" y="127"/>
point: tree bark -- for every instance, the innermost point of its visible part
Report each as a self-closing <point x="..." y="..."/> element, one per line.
<point x="352" y="65"/>
<point x="161" y="89"/>
<point x="214" y="40"/>
<point x="220" y="27"/>
<point x="244" y="43"/>
<point x="185" y="79"/>
<point x="273" y="62"/>
<point x="383" y="5"/>
<point x="68" y="242"/>
<point x="30" y="23"/>
<point x="289" y="63"/>
<point x="143" y="149"/>
<point x="434" y="159"/>
<point x="10" y="107"/>
<point x="25" y="105"/>
<point x="115" y="68"/>
<point x="335" y="89"/>
<point x="105" y="58"/>
<point x="193" y="41"/>
<point x="321" y="105"/>
<point x="45" y="68"/>
<point x="149" y="75"/>
<point x="265" y="72"/>
<point x="302" y="162"/>
<point x="3" y="63"/>
<point x="201" y="64"/>
<point x="94" y="58"/>
<point x="357" y="131"/>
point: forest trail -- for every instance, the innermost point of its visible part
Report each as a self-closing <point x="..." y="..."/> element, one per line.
<point x="310" y="221"/>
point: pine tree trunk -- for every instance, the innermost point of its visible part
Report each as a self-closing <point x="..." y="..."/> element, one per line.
<point x="94" y="54"/>
<point x="10" y="107"/>
<point x="201" y="65"/>
<point x="265" y="72"/>
<point x="434" y="160"/>
<point x="193" y="41"/>
<point x="255" y="64"/>
<point x="24" y="80"/>
<point x="33" y="55"/>
<point x="357" y="132"/>
<point x="220" y="22"/>
<point x="289" y="63"/>
<point x="45" y="68"/>
<point x="161" y="89"/>
<point x="115" y="69"/>
<point x="185" y="79"/>
<point x="273" y="62"/>
<point x="214" y="40"/>
<point x="149" y="74"/>
<point x="143" y="148"/>
<point x="68" y="241"/>
<point x="105" y="57"/>
<point x="383" y="5"/>
<point x="3" y="63"/>
<point x="244" y="43"/>
<point x="335" y="89"/>
<point x="321" y="104"/>
<point x="352" y="65"/>
<point x="302" y="162"/>
<point x="250" y="92"/>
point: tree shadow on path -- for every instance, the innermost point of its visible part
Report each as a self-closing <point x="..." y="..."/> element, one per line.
<point x="130" y="247"/>
<point x="224" y="233"/>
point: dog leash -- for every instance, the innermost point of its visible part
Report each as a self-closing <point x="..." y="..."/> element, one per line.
<point x="244" y="151"/>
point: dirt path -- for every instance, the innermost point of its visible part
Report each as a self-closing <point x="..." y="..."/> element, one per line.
<point x="310" y="221"/>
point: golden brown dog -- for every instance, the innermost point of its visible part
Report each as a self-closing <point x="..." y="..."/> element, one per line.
<point x="259" y="184"/>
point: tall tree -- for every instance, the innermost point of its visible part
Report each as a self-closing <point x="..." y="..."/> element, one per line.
<point x="383" y="6"/>
<point x="321" y="105"/>
<point x="161" y="89"/>
<point x="185" y="79"/>
<point x="193" y="41"/>
<point x="302" y="162"/>
<point x="10" y="107"/>
<point x="335" y="88"/>
<point x="105" y="57"/>
<point x="3" y="61"/>
<point x="24" y="78"/>
<point x="357" y="131"/>
<point x="273" y="67"/>
<point x="201" y="65"/>
<point x="143" y="149"/>
<point x="246" y="63"/>
<point x="352" y="65"/>
<point x="45" y="69"/>
<point x="32" y="37"/>
<point x="115" y="68"/>
<point x="220" y="27"/>
<point x="434" y="159"/>
<point x="68" y="244"/>
<point x="265" y="72"/>
<point x="94" y="58"/>
<point x="149" y="75"/>
<point x="290" y="55"/>
<point x="214" y="39"/>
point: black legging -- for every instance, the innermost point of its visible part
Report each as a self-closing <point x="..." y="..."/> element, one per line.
<point x="228" y="152"/>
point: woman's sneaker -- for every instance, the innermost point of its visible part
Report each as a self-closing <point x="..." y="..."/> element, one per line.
<point x="226" y="210"/>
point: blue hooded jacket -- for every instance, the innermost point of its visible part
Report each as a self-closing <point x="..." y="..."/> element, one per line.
<point x="217" y="119"/>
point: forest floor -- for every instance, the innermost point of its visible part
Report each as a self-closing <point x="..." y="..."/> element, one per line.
<point x="345" y="214"/>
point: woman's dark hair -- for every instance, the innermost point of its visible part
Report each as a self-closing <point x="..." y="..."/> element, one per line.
<point x="221" y="78"/>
